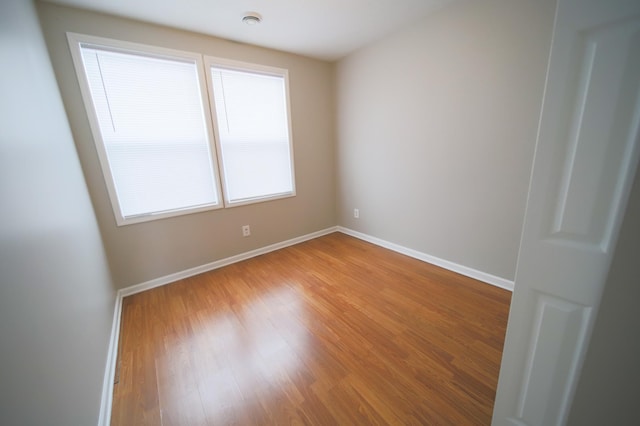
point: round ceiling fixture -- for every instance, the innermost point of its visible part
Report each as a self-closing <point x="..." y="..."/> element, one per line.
<point x="252" y="18"/>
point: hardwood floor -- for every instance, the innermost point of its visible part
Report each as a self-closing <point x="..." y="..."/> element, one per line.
<point x="331" y="331"/>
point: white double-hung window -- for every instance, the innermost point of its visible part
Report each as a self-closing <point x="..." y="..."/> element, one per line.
<point x="178" y="132"/>
<point x="252" y="130"/>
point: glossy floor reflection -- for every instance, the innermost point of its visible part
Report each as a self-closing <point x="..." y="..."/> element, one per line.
<point x="331" y="331"/>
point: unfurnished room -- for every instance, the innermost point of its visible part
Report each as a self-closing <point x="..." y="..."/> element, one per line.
<point x="359" y="212"/>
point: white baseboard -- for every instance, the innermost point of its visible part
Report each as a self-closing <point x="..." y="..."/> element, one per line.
<point x="104" y="418"/>
<point x="452" y="266"/>
<point x="157" y="282"/>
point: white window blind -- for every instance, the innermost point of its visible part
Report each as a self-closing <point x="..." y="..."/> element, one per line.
<point x="153" y="126"/>
<point x="150" y="114"/>
<point x="253" y="132"/>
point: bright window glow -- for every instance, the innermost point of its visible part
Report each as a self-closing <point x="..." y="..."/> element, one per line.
<point x="154" y="113"/>
<point x="153" y="131"/>
<point x="253" y="132"/>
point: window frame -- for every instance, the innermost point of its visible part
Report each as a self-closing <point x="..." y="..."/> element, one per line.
<point x="214" y="61"/>
<point x="203" y="64"/>
<point x="76" y="41"/>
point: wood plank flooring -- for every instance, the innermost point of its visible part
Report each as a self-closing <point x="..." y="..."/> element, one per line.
<point x="331" y="331"/>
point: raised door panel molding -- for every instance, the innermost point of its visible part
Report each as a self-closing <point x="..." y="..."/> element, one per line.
<point x="557" y="342"/>
<point x="594" y="174"/>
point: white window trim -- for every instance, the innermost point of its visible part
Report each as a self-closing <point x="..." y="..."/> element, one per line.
<point x="212" y="61"/>
<point x="203" y="65"/>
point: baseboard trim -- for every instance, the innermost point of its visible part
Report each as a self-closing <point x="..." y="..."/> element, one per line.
<point x="104" y="418"/>
<point x="157" y="282"/>
<point x="452" y="266"/>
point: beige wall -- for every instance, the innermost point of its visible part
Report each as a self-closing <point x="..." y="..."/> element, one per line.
<point x="56" y="296"/>
<point x="141" y="252"/>
<point x="436" y="127"/>
<point x="607" y="392"/>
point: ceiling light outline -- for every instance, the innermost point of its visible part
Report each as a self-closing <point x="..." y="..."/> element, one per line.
<point x="251" y="18"/>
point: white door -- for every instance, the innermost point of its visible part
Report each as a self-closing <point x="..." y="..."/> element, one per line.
<point x="586" y="155"/>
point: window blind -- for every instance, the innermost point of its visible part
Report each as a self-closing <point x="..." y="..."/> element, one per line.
<point x="150" y="114"/>
<point x="253" y="130"/>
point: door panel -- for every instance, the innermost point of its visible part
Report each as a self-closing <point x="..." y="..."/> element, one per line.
<point x="559" y="328"/>
<point x="586" y="156"/>
<point x="593" y="173"/>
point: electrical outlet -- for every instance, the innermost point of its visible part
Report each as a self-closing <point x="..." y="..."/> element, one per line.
<point x="356" y="213"/>
<point x="246" y="231"/>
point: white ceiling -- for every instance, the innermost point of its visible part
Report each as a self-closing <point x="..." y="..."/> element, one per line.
<point x="324" y="29"/>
